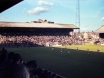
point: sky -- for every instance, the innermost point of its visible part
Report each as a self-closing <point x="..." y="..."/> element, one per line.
<point x="58" y="11"/>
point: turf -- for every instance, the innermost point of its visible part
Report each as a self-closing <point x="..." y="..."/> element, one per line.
<point x="75" y="64"/>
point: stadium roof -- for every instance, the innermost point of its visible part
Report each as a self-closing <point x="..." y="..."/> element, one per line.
<point x="5" y="4"/>
<point x="69" y="25"/>
<point x="36" y="25"/>
<point x="100" y="30"/>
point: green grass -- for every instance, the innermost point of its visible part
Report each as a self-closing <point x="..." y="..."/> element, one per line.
<point x="85" y="47"/>
<point x="76" y="64"/>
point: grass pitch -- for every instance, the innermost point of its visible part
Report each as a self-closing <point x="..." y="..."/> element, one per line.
<point x="70" y="62"/>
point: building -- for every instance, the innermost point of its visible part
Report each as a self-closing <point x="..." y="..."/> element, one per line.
<point x="100" y="31"/>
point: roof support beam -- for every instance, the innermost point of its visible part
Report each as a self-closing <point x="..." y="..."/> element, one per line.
<point x="6" y="4"/>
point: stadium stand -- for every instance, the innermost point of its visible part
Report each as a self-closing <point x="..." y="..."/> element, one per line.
<point x="32" y="34"/>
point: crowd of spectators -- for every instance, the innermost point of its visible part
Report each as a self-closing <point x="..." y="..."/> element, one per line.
<point x="12" y="66"/>
<point x="42" y="40"/>
<point x="29" y="40"/>
<point x="99" y="41"/>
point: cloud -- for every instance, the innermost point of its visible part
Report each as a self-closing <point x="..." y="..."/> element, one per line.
<point x="102" y="18"/>
<point x="44" y="3"/>
<point x="38" y="10"/>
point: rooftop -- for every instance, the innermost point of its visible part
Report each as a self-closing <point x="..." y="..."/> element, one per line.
<point x="36" y="25"/>
<point x="100" y="30"/>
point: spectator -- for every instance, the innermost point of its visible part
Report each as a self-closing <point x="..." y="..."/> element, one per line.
<point x="15" y="70"/>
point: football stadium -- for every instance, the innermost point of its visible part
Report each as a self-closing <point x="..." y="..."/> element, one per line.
<point x="45" y="49"/>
